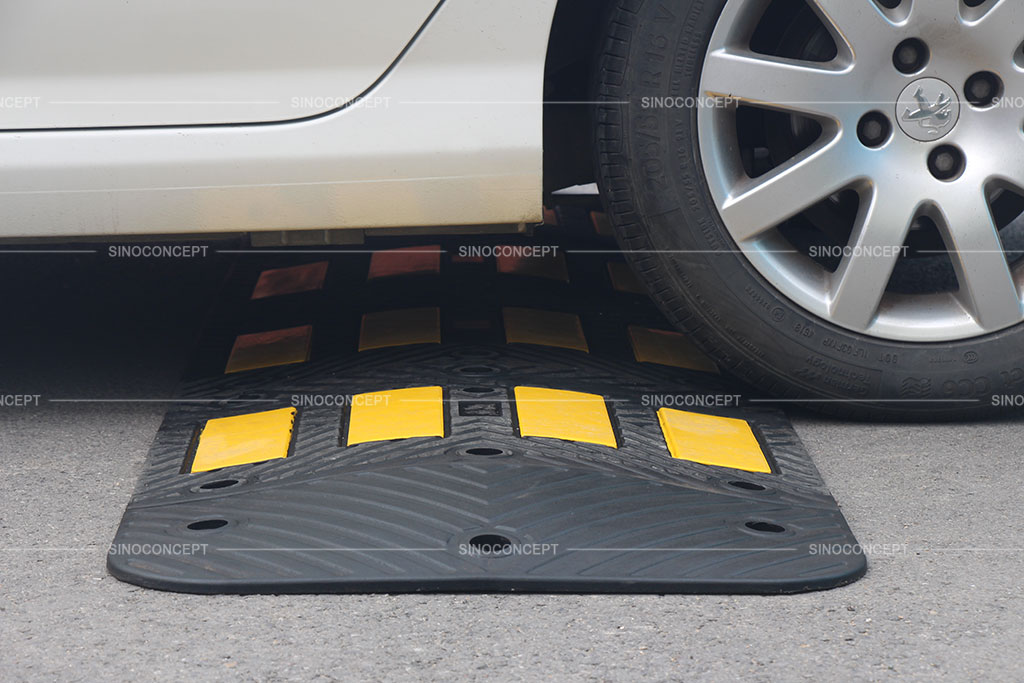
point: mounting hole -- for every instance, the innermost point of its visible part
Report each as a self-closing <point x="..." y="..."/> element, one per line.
<point x="874" y="129"/>
<point x="207" y="524"/>
<point x="491" y="544"/>
<point x="478" y="370"/>
<point x="983" y="89"/>
<point x="946" y="163"/>
<point x="747" y="486"/>
<point x="219" y="484"/>
<point x="765" y="527"/>
<point x="485" y="451"/>
<point x="911" y="56"/>
<point x="479" y="390"/>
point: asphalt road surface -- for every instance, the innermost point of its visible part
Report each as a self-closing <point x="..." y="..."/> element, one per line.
<point x="940" y="508"/>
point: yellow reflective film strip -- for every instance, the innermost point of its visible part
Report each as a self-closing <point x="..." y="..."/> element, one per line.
<point x="566" y="415"/>
<point x="282" y="281"/>
<point x="550" y="267"/>
<point x="602" y="226"/>
<point x="420" y="260"/>
<point x="396" y="414"/>
<point x="244" y="439"/>
<point x="386" y="329"/>
<point x="623" y="279"/>
<point x="668" y="348"/>
<point x="712" y="440"/>
<point x="544" y="328"/>
<point x="269" y="349"/>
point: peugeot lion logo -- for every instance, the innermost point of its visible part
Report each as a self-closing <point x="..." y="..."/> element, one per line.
<point x="935" y="118"/>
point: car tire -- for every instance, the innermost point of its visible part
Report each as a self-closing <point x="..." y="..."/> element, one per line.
<point x="656" y="193"/>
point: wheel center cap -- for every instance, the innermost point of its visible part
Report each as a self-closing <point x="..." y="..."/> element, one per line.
<point x="928" y="109"/>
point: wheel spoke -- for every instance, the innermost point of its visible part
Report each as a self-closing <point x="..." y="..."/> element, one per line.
<point x="758" y="205"/>
<point x="987" y="286"/>
<point x="775" y="82"/>
<point x="1000" y="24"/>
<point x="942" y="13"/>
<point x="855" y="22"/>
<point x="875" y="246"/>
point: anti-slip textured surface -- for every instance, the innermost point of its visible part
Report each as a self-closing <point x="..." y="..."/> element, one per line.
<point x="482" y="508"/>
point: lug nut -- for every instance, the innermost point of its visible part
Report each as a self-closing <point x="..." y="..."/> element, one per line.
<point x="910" y="56"/>
<point x="874" y="129"/>
<point x="983" y="88"/>
<point x="946" y="162"/>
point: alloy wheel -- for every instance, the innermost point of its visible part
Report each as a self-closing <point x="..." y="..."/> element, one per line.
<point x="867" y="158"/>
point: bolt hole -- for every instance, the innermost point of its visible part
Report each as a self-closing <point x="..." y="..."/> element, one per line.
<point x="490" y="544"/>
<point x="747" y="486"/>
<point x="478" y="390"/>
<point x="207" y="524"/>
<point x="485" y="451"/>
<point x="219" y="484"/>
<point x="766" y="527"/>
<point x="911" y="56"/>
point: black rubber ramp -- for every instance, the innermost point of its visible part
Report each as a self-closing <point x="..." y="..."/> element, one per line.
<point x="452" y="419"/>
